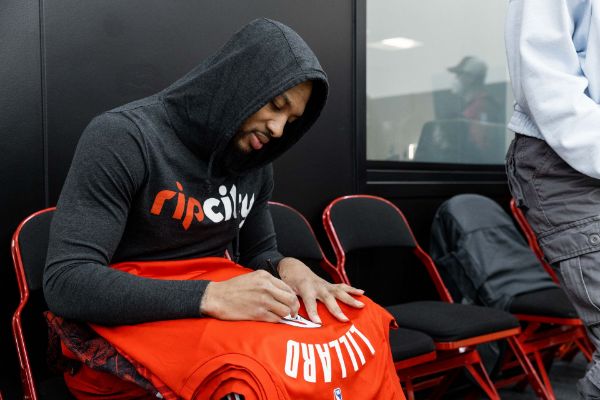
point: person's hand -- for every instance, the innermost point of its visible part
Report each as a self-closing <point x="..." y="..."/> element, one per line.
<point x="310" y="287"/>
<point x="256" y="296"/>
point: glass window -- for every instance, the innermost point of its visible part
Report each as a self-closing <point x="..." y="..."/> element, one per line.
<point x="437" y="82"/>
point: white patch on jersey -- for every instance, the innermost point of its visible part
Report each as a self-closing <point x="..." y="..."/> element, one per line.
<point x="298" y="321"/>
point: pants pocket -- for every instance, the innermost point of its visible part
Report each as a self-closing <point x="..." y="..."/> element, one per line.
<point x="581" y="277"/>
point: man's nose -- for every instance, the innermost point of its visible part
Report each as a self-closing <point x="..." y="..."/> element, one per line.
<point x="276" y="126"/>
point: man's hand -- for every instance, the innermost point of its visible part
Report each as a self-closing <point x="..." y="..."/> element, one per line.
<point x="257" y="296"/>
<point x="311" y="288"/>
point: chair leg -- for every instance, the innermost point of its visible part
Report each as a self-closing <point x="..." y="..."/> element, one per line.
<point x="586" y="346"/>
<point x="543" y="372"/>
<point x="446" y="382"/>
<point x="582" y="344"/>
<point x="483" y="379"/>
<point x="532" y="376"/>
<point x="409" y="390"/>
<point x="568" y="351"/>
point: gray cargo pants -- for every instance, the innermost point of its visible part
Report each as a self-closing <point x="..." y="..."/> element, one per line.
<point x="563" y="208"/>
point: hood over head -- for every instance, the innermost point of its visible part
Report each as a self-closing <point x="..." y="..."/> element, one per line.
<point x="209" y="104"/>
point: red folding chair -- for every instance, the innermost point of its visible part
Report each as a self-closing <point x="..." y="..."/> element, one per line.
<point x="29" y="244"/>
<point x="296" y="238"/>
<point x="356" y="223"/>
<point x="574" y="326"/>
<point x="531" y="239"/>
<point x="487" y="247"/>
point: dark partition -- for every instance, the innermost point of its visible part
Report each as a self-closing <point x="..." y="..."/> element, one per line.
<point x="64" y="62"/>
<point x="103" y="54"/>
<point x="22" y="156"/>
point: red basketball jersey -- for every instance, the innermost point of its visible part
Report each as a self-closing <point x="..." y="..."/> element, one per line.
<point x="207" y="358"/>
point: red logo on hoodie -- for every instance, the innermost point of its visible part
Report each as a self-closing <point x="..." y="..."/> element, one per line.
<point x="194" y="209"/>
<point x="215" y="209"/>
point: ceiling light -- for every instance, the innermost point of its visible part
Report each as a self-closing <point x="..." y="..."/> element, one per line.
<point x="396" y="43"/>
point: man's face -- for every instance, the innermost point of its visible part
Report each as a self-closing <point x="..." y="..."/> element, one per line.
<point x="269" y="122"/>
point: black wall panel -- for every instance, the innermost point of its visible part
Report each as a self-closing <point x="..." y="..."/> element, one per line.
<point x="21" y="150"/>
<point x="65" y="62"/>
<point x="103" y="54"/>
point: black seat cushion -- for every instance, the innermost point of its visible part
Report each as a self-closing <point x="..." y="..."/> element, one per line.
<point x="407" y="343"/>
<point x="446" y="322"/>
<point x="548" y="302"/>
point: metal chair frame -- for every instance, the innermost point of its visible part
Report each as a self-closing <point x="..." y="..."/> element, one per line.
<point x="27" y="379"/>
<point x="336" y="275"/>
<point x="451" y="355"/>
<point x="563" y="337"/>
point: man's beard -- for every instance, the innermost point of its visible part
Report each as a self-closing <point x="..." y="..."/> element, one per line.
<point x="234" y="159"/>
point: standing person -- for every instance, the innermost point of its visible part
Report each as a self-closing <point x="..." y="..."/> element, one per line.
<point x="469" y="85"/>
<point x="186" y="174"/>
<point x="553" y="164"/>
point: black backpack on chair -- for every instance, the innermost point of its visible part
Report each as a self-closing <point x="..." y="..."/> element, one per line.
<point x="484" y="260"/>
<point x="481" y="255"/>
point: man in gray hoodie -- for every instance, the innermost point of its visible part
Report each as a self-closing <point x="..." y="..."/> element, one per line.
<point x="186" y="173"/>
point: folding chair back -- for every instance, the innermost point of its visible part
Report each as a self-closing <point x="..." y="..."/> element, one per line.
<point x="29" y="245"/>
<point x="364" y="221"/>
<point x="531" y="239"/>
<point x="376" y="250"/>
<point x="295" y="238"/>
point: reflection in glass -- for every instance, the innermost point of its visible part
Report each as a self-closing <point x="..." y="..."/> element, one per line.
<point x="475" y="101"/>
<point x="461" y="141"/>
<point x="437" y="82"/>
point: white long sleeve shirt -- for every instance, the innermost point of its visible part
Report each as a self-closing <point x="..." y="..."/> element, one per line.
<point x="553" y="50"/>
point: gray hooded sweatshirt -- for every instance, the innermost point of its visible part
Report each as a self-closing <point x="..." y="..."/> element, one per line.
<point x="155" y="180"/>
